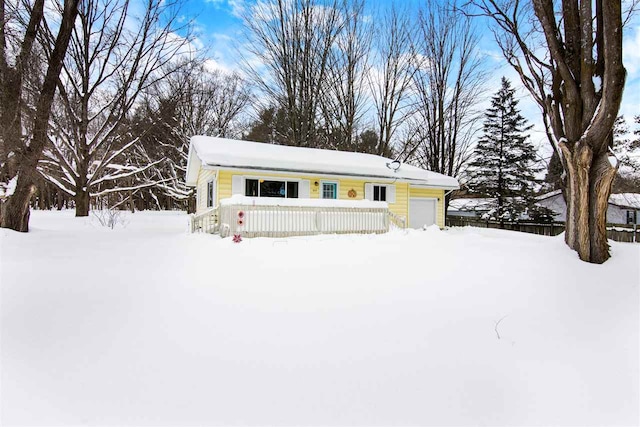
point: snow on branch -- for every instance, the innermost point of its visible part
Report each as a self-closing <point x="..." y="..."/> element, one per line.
<point x="7" y="190"/>
<point x="119" y="189"/>
<point x="56" y="182"/>
<point x="132" y="172"/>
<point x="107" y="159"/>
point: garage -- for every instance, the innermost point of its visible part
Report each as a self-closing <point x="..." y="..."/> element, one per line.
<point x="422" y="212"/>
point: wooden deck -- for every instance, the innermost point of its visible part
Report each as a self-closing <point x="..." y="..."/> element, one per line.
<point x="286" y="221"/>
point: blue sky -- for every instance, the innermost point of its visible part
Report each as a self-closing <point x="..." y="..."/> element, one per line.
<point x="219" y="28"/>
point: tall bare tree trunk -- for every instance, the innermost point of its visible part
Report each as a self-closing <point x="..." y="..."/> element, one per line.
<point x="14" y="211"/>
<point x="587" y="190"/>
<point x="82" y="200"/>
<point x="602" y="176"/>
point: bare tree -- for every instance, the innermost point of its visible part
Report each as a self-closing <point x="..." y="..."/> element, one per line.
<point x="23" y="136"/>
<point x="269" y="122"/>
<point x="391" y="75"/>
<point x="344" y="103"/>
<point x="206" y="102"/>
<point x="292" y="40"/>
<point x="569" y="56"/>
<point x="448" y="82"/>
<point x="115" y="54"/>
<point x="190" y="101"/>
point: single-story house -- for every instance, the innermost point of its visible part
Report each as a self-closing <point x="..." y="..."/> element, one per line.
<point x="623" y="208"/>
<point x="226" y="171"/>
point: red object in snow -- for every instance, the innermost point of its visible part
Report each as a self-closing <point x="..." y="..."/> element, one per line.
<point x="240" y="214"/>
<point x="237" y="238"/>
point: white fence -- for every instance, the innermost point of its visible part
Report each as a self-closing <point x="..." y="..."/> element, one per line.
<point x="206" y="222"/>
<point x="283" y="221"/>
<point x="397" y="220"/>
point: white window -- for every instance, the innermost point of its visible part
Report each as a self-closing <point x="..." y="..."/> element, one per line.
<point x="270" y="188"/>
<point x="380" y="192"/>
<point x="211" y="188"/>
<point x="255" y="186"/>
<point x="329" y="190"/>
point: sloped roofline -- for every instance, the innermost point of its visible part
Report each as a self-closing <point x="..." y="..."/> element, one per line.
<point x="248" y="155"/>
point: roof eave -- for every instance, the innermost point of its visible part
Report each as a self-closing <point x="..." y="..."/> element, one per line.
<point x="411" y="181"/>
<point x="624" y="206"/>
<point x="420" y="183"/>
<point x="193" y="167"/>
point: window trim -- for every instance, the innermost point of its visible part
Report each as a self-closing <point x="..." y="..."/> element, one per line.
<point x="337" y="184"/>
<point x="373" y="192"/>
<point x="269" y="178"/>
<point x="211" y="193"/>
<point x="391" y="190"/>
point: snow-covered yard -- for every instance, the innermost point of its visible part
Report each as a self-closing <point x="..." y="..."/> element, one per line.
<point x="149" y="325"/>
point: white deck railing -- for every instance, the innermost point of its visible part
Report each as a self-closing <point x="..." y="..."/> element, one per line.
<point x="397" y="220"/>
<point x="300" y="217"/>
<point x="205" y="222"/>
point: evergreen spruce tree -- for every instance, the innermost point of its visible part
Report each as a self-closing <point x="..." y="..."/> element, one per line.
<point x="504" y="164"/>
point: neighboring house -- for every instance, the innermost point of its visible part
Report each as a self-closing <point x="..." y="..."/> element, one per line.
<point x="274" y="174"/>
<point x="623" y="208"/>
<point x="554" y="201"/>
<point x="478" y="207"/>
<point x="469" y="207"/>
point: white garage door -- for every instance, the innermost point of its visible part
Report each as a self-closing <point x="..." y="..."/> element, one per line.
<point x="422" y="212"/>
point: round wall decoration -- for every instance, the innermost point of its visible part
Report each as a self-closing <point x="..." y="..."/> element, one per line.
<point x="352" y="193"/>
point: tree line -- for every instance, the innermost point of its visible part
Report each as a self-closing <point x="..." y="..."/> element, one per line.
<point x="329" y="75"/>
<point x="100" y="97"/>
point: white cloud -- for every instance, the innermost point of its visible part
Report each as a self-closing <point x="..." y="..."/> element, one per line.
<point x="225" y="52"/>
<point x="213" y="65"/>
<point x="235" y="7"/>
<point x="238" y="7"/>
<point x="631" y="100"/>
<point x="631" y="51"/>
<point x="631" y="59"/>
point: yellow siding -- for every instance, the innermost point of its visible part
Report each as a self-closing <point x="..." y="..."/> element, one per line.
<point x="204" y="176"/>
<point x="432" y="193"/>
<point x="400" y="207"/>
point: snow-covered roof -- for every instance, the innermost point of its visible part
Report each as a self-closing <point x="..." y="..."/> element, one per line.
<point x="627" y="200"/>
<point x="470" y="204"/>
<point x="549" y="194"/>
<point x="230" y="153"/>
